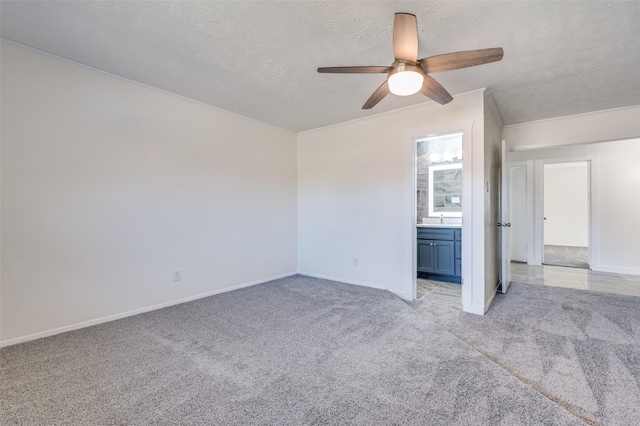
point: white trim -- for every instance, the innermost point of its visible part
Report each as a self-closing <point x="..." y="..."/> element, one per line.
<point x="477" y="309"/>
<point x="403" y="295"/>
<point x="343" y="280"/>
<point x="523" y="148"/>
<point x="566" y="165"/>
<point x="594" y="206"/>
<point x="470" y="288"/>
<point x="570" y="116"/>
<point x="414" y="220"/>
<point x="616" y="269"/>
<point x="121" y="315"/>
<point x="438" y="135"/>
<point x="137" y="83"/>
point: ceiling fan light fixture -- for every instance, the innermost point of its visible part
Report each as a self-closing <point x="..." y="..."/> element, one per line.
<point x="405" y="80"/>
<point x="408" y="74"/>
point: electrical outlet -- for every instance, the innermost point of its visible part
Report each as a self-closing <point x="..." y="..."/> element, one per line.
<point x="177" y="275"/>
<point x="355" y="261"/>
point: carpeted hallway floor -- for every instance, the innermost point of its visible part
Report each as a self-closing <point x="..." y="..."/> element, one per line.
<point x="307" y="351"/>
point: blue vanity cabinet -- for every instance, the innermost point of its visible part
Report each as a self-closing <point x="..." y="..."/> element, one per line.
<point x="439" y="254"/>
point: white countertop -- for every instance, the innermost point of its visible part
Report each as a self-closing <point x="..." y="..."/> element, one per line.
<point x="439" y="225"/>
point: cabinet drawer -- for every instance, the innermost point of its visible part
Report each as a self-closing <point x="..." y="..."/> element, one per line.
<point x="436" y="233"/>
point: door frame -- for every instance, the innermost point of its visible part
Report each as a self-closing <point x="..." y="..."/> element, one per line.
<point x="538" y="216"/>
<point x="467" y="130"/>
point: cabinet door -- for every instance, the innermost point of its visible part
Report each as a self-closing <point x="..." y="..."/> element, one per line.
<point x="443" y="258"/>
<point x="425" y="255"/>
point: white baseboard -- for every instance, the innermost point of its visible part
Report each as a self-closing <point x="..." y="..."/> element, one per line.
<point x="402" y="295"/>
<point x="474" y="309"/>
<point x="616" y="269"/>
<point x="121" y="315"/>
<point x="342" y="280"/>
<point x="479" y="309"/>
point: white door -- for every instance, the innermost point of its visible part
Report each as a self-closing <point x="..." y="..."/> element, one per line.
<point x="518" y="213"/>
<point x="505" y="224"/>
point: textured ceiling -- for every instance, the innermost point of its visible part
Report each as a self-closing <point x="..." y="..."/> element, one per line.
<point x="259" y="59"/>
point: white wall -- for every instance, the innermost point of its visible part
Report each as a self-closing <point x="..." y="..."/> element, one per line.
<point x="599" y="126"/>
<point x="566" y="204"/>
<point x="356" y="196"/>
<point x="108" y="185"/>
<point x="492" y="186"/>
<point x="615" y="230"/>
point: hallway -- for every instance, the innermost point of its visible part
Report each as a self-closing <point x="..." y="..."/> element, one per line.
<point x="581" y="279"/>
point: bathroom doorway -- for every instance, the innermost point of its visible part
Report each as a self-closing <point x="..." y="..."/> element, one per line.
<point x="439" y="219"/>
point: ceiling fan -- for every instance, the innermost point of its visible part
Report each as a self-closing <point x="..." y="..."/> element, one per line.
<point x="408" y="74"/>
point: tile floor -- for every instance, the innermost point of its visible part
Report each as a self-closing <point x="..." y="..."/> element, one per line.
<point x="582" y="279"/>
<point x="448" y="294"/>
<point x="439" y="292"/>
<point x="576" y="257"/>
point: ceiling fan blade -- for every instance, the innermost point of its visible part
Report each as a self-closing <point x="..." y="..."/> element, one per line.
<point x="432" y="89"/>
<point x="405" y="37"/>
<point x="377" y="96"/>
<point x="457" y="60"/>
<point x="355" y="70"/>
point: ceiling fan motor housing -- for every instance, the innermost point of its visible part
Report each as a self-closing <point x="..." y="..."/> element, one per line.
<point x="400" y="66"/>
